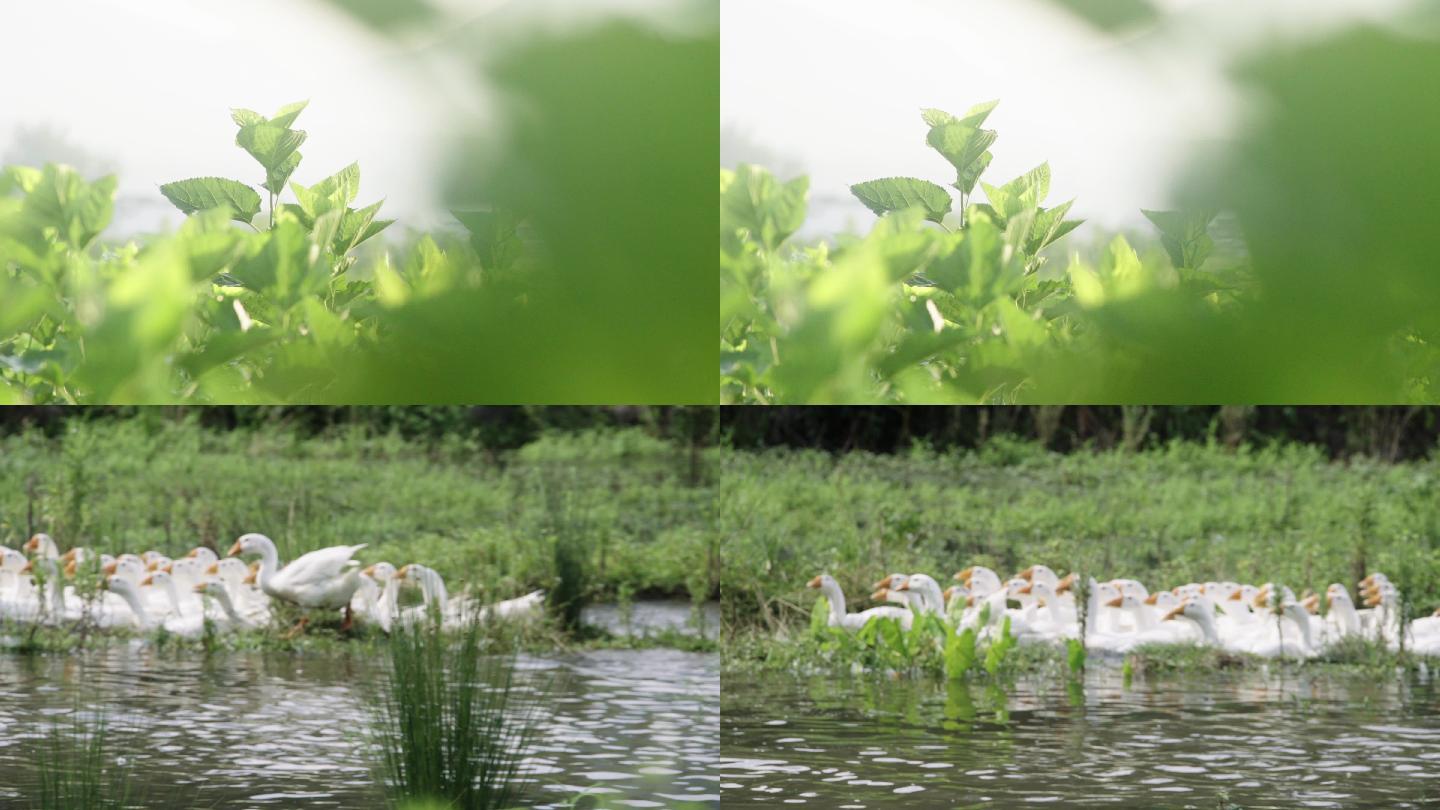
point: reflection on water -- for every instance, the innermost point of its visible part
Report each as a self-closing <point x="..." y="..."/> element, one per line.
<point x="1215" y="740"/>
<point x="652" y="617"/>
<point x="634" y="728"/>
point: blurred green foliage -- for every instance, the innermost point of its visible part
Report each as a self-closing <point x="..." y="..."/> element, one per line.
<point x="1332" y="301"/>
<point x="580" y="281"/>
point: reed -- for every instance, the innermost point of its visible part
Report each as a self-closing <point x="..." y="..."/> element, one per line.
<point x="451" y="726"/>
<point x="78" y="768"/>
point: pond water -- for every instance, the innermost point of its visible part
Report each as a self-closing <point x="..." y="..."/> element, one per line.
<point x="233" y="730"/>
<point x="1218" y="741"/>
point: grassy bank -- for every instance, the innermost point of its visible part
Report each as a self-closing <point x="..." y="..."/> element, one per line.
<point x="631" y="503"/>
<point x="1183" y="512"/>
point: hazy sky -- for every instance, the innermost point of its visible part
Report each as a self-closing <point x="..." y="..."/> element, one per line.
<point x="834" y="88"/>
<point x="146" y="87"/>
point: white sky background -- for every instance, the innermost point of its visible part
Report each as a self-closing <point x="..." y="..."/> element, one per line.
<point x="833" y="88"/>
<point x="146" y="86"/>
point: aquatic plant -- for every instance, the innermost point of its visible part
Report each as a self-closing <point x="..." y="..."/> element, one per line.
<point x="450" y="723"/>
<point x="78" y="766"/>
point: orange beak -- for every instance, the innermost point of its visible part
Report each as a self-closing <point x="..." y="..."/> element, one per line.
<point x="199" y="587"/>
<point x="149" y="580"/>
<point x="970" y="601"/>
<point x="949" y="593"/>
<point x="168" y="568"/>
<point x="110" y="567"/>
<point x="1028" y="588"/>
<point x="879" y="595"/>
<point x="70" y="568"/>
<point x="905" y="586"/>
<point x="964" y="576"/>
<point x="249" y="578"/>
<point x="1028" y="574"/>
<point x="235" y="550"/>
<point x="213" y="569"/>
<point x="1312" y="603"/>
<point x="29" y="567"/>
<point x="1235" y="597"/>
<point x="1116" y="602"/>
<point x="884" y="583"/>
<point x="1066" y="584"/>
<point x="33" y="544"/>
<point x="1152" y="598"/>
<point x="1373" y="601"/>
<point x="814" y="583"/>
<point x="1367" y="581"/>
<point x="1179" y="610"/>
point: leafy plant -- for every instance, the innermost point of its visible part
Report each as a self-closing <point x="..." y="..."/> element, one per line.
<point x="937" y="302"/>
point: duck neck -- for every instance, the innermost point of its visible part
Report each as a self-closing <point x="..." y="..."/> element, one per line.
<point x="269" y="564"/>
<point x="833" y="595"/>
<point x="137" y="605"/>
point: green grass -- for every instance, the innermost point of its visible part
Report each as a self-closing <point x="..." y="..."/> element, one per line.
<point x="79" y="767"/>
<point x="1178" y="513"/>
<point x="476" y="516"/>
<point x="451" y="724"/>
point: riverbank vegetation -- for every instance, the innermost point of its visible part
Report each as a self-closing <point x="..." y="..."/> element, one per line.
<point x="1170" y="513"/>
<point x="616" y="514"/>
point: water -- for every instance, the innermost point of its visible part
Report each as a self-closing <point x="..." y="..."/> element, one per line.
<point x="633" y="728"/>
<point x="1212" y="740"/>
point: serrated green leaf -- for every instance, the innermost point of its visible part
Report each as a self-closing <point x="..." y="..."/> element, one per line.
<point x="204" y="193"/>
<point x="244" y="118"/>
<point x="961" y="145"/>
<point x="1185" y="235"/>
<point x="276" y="178"/>
<point x="344" y="183"/>
<point x="285" y="116"/>
<point x="970" y="174"/>
<point x="754" y="200"/>
<point x="892" y="194"/>
<point x="269" y="144"/>
<point x="976" y="115"/>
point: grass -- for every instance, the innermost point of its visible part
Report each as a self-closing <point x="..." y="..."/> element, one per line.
<point x="452" y="727"/>
<point x="79" y="768"/>
<point x="1177" y="513"/>
<point x="154" y="482"/>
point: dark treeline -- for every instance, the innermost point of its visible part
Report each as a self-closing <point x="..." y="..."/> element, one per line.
<point x="494" y="427"/>
<point x="1389" y="433"/>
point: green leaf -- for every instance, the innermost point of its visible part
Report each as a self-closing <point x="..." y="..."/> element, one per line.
<point x="276" y="178"/>
<point x="344" y="183"/>
<point x="286" y="115"/>
<point x="495" y="235"/>
<point x="976" y="115"/>
<point x="1185" y="235"/>
<point x="244" y="118"/>
<point x="1026" y="191"/>
<point x="820" y="617"/>
<point x="899" y="193"/>
<point x="752" y="199"/>
<point x="203" y="193"/>
<point x="19" y="178"/>
<point x="63" y="200"/>
<point x="970" y="174"/>
<point x="271" y="145"/>
<point x="961" y="145"/>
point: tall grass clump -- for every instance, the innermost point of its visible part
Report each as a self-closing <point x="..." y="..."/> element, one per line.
<point x="78" y="769"/>
<point x="451" y="726"/>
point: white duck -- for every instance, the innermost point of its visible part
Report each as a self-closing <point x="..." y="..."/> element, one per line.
<point x="457" y="612"/>
<point x="326" y="578"/>
<point x="854" y="621"/>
